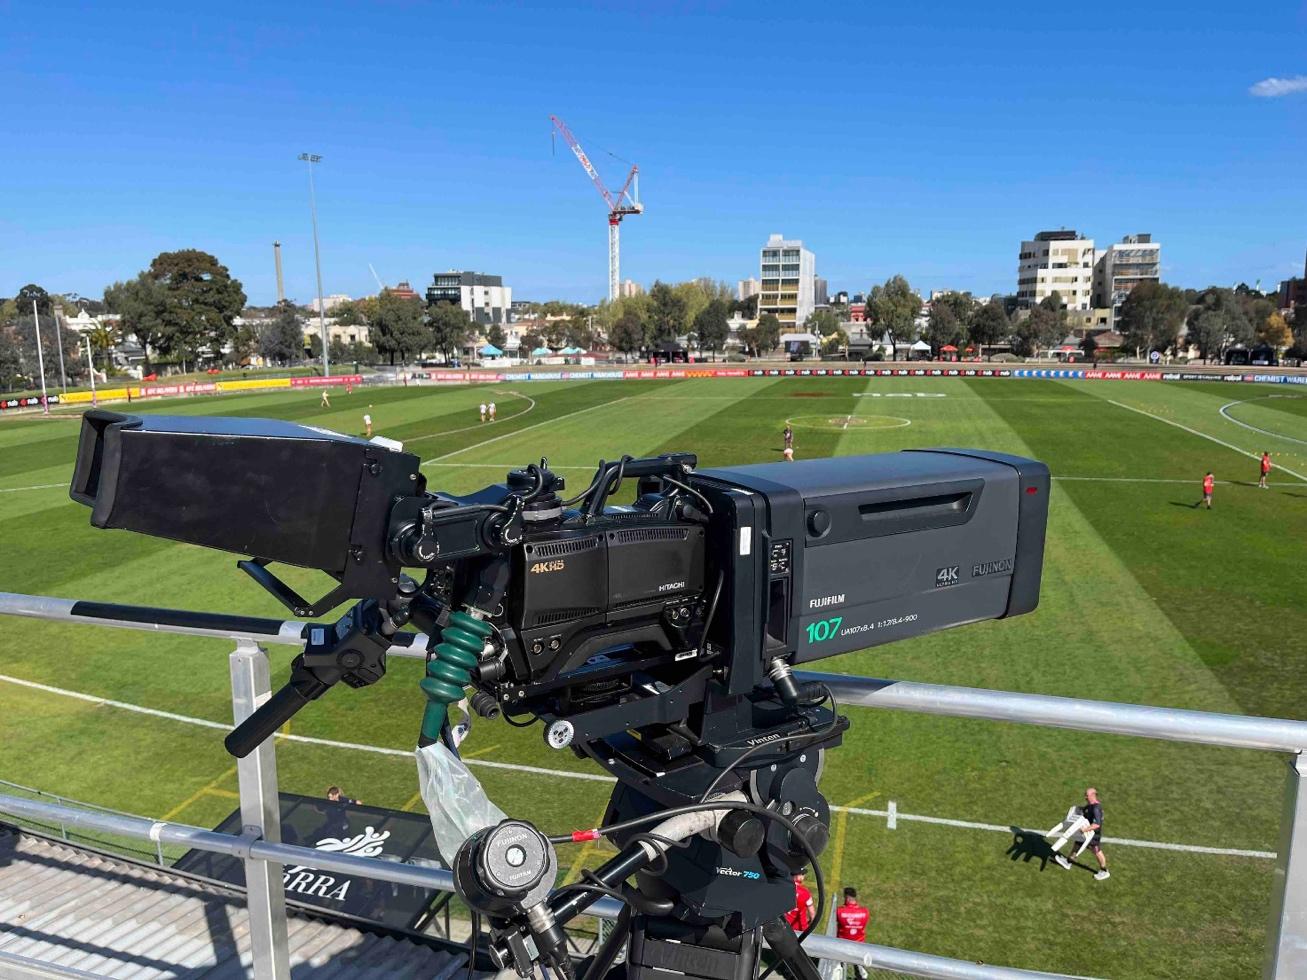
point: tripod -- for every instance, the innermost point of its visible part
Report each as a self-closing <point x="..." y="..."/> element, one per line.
<point x="711" y="884"/>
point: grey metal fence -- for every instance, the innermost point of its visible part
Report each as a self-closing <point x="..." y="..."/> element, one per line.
<point x="1286" y="954"/>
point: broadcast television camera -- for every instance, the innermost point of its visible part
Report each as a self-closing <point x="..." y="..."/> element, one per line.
<point x="656" y="637"/>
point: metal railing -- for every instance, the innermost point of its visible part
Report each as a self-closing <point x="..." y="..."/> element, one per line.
<point x="1286" y="954"/>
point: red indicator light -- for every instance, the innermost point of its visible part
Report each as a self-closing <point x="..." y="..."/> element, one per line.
<point x="1032" y="489"/>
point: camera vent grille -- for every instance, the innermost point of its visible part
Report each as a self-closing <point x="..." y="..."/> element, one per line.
<point x="563" y="615"/>
<point x="638" y="534"/>
<point x="556" y="549"/>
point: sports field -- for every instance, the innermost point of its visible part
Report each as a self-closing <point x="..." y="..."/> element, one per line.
<point x="1146" y="598"/>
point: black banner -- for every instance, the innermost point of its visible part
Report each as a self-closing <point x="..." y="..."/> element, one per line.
<point x="362" y="831"/>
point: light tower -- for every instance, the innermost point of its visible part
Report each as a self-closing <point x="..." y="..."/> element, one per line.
<point x="620" y="204"/>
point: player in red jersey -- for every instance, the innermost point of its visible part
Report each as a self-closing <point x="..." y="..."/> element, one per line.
<point x="803" y="911"/>
<point x="1209" y="485"/>
<point x="1266" y="470"/>
<point x="851" y="923"/>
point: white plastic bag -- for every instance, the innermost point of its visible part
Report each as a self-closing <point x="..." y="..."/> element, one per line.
<point x="457" y="804"/>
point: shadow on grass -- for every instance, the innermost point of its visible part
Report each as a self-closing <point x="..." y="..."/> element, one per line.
<point x="1181" y="503"/>
<point x="1029" y="845"/>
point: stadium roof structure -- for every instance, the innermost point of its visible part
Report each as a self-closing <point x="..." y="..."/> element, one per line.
<point x="73" y="911"/>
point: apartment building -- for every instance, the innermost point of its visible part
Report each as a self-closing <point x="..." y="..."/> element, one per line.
<point x="1056" y="261"/>
<point x="1121" y="267"/>
<point x="787" y="272"/>
<point x="485" y="298"/>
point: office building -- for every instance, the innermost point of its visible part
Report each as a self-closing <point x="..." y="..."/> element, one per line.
<point x="787" y="271"/>
<point x="1293" y="292"/>
<point x="629" y="288"/>
<point x="1056" y="261"/>
<point x="485" y="298"/>
<point x="1121" y="267"/>
<point x="746" y="288"/>
<point x="820" y="291"/>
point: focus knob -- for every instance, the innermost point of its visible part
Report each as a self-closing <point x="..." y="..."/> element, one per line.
<point x="741" y="833"/>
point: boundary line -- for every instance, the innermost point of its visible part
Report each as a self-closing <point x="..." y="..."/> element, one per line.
<point x="1266" y="432"/>
<point x="39" y="486"/>
<point x="592" y="777"/>
<point x="469" y="428"/>
<point x="1203" y="435"/>
<point x="528" y="428"/>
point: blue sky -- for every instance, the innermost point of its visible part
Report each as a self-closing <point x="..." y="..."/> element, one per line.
<point x="922" y="138"/>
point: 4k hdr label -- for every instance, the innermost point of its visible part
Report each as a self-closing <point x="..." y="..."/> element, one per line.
<point x="540" y="567"/>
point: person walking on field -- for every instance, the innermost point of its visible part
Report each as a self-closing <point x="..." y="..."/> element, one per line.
<point x="367" y="421"/>
<point x="788" y="435"/>
<point x="1266" y="470"/>
<point x="851" y="924"/>
<point x="491" y="408"/>
<point x="1093" y="812"/>
<point x="326" y="400"/>
<point x="483" y="411"/>
<point x="1209" y="486"/>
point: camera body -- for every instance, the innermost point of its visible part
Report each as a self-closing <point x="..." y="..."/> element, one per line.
<point x="611" y="617"/>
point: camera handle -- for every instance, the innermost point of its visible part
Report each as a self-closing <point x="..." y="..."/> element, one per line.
<point x="352" y="650"/>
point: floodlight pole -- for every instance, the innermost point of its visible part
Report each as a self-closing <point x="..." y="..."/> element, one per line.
<point x="90" y="362"/>
<point x="311" y="159"/>
<point x="40" y="360"/>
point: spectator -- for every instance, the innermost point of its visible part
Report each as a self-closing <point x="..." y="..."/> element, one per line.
<point x="851" y="924"/>
<point x="804" y="911"/>
<point x="337" y="803"/>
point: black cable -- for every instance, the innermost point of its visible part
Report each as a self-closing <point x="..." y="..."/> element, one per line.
<point x="712" y="612"/>
<point x="690" y="490"/>
<point x="472" y="946"/>
<point x="655" y="840"/>
<point x="521" y="724"/>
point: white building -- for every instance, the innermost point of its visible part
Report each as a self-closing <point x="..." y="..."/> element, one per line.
<point x="1122" y="267"/>
<point x="629" y="288"/>
<point x="746" y="288"/>
<point x="485" y="298"/>
<point x="1056" y="261"/>
<point x="787" y="271"/>
<point x="329" y="302"/>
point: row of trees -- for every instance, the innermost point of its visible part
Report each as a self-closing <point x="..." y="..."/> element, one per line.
<point x="1215" y="319"/>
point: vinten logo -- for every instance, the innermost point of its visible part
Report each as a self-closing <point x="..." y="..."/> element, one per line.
<point x="824" y="601"/>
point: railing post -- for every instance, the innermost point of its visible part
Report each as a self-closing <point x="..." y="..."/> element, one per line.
<point x="265" y="895"/>
<point x="1286" y="948"/>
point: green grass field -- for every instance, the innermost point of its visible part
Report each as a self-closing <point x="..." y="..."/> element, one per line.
<point x="1146" y="599"/>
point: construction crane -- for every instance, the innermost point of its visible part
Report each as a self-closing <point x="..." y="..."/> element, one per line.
<point x="620" y="204"/>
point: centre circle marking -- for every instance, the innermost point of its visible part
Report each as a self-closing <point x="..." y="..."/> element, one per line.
<point x="844" y="422"/>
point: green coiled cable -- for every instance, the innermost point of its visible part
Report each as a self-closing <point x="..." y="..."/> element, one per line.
<point x="449" y="671"/>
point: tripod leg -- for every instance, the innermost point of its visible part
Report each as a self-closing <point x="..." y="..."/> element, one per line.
<point x="794" y="962"/>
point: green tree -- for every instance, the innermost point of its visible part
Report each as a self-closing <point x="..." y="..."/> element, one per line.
<point x="711" y="325"/>
<point x="893" y="307"/>
<point x="836" y="342"/>
<point x="1043" y="328"/>
<point x="336" y="350"/>
<point x="245" y="343"/>
<point x="32" y="293"/>
<point x="495" y="336"/>
<point x="989" y="324"/>
<point x="1089" y="346"/>
<point x="12" y="375"/>
<point x="531" y="340"/>
<point x="556" y="332"/>
<point x="1151" y="316"/>
<point x="945" y="327"/>
<point x="395" y="325"/>
<point x="579" y="332"/>
<point x="203" y="300"/>
<point x="103" y="337"/>
<point x="629" y="334"/>
<point x="450" y="329"/>
<point x="1300" y="330"/>
<point x="823" y="323"/>
<point x="667" y="314"/>
<point x="1228" y="327"/>
<point x="767" y="334"/>
<point x="348" y="313"/>
<point x="142" y="303"/>
<point x="282" y="340"/>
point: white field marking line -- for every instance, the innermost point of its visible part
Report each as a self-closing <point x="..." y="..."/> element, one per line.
<point x="1203" y="435"/>
<point x="528" y="428"/>
<point x="305" y="739"/>
<point x="42" y="486"/>
<point x="1124" y="841"/>
<point x="592" y="777"/>
<point x="817" y="427"/>
<point x="469" y="428"/>
<point x="1265" y="432"/>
